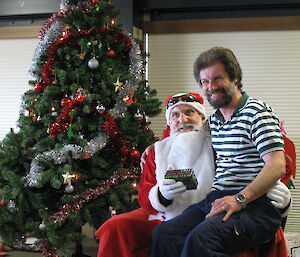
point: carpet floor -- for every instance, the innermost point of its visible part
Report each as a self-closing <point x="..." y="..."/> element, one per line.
<point x="89" y="245"/>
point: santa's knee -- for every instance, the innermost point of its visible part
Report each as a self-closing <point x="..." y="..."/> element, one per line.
<point x="109" y="227"/>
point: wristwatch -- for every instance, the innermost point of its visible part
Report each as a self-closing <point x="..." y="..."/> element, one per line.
<point x="241" y="199"/>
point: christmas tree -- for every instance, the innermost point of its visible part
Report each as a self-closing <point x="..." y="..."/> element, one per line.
<point x="81" y="132"/>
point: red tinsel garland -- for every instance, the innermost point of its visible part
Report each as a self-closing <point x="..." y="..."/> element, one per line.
<point x="55" y="16"/>
<point x="47" y="249"/>
<point x="111" y="128"/>
<point x="61" y="125"/>
<point x="79" y="200"/>
<point x="71" y="38"/>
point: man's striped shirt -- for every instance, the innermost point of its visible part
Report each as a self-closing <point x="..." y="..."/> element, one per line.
<point x="241" y="141"/>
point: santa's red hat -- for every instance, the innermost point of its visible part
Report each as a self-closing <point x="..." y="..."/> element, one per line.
<point x="192" y="99"/>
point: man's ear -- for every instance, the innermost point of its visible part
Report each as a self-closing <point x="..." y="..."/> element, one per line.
<point x="236" y="82"/>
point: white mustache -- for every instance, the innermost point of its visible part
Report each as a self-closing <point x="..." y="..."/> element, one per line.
<point x="187" y="125"/>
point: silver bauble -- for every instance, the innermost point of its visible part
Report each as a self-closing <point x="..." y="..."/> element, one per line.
<point x="93" y="63"/>
<point x="100" y="108"/>
<point x="42" y="226"/>
<point x="69" y="188"/>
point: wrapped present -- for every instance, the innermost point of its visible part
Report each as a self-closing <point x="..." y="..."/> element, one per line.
<point x="186" y="176"/>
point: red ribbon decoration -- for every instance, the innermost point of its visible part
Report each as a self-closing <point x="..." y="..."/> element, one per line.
<point x="61" y="125"/>
<point x="71" y="39"/>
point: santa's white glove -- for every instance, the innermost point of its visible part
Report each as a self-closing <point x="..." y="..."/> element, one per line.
<point x="169" y="188"/>
<point x="279" y="195"/>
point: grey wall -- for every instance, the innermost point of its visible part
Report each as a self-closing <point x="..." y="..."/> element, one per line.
<point x="126" y="14"/>
<point x="26" y="7"/>
<point x="35" y="12"/>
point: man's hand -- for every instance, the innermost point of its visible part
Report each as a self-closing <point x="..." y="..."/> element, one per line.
<point x="144" y="155"/>
<point x="279" y="195"/>
<point x="169" y="188"/>
<point x="225" y="204"/>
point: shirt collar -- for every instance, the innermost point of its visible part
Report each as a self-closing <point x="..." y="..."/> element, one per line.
<point x="240" y="105"/>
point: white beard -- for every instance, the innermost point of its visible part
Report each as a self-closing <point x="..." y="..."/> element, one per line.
<point x="185" y="149"/>
<point x="178" y="130"/>
<point x="188" y="150"/>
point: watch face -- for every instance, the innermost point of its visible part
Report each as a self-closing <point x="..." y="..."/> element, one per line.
<point x="240" y="198"/>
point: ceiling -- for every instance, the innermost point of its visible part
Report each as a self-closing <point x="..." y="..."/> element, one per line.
<point x="156" y="10"/>
<point x="135" y="12"/>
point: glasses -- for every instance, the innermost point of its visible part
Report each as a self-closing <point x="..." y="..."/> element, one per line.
<point x="205" y="82"/>
<point x="181" y="98"/>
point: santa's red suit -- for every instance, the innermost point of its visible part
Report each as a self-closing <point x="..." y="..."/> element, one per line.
<point x="129" y="234"/>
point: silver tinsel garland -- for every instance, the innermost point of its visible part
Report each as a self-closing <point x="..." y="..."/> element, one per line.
<point x="60" y="156"/>
<point x="51" y="35"/>
<point x="96" y="144"/>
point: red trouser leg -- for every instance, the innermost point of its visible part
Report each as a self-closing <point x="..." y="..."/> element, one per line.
<point x="126" y="235"/>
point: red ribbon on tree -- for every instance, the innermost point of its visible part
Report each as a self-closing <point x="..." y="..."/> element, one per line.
<point x="70" y="38"/>
<point x="61" y="125"/>
<point x="79" y="200"/>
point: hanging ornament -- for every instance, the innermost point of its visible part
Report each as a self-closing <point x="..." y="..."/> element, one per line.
<point x="140" y="117"/>
<point x="95" y="1"/>
<point x="42" y="226"/>
<point x="135" y="154"/>
<point x="134" y="184"/>
<point x="100" y="108"/>
<point x="113" y="211"/>
<point x="68" y="177"/>
<point x="93" y="63"/>
<point x="81" y="55"/>
<point x="2" y="203"/>
<point x="31" y="112"/>
<point x="77" y="101"/>
<point x="70" y="133"/>
<point x="118" y="85"/>
<point x="86" y="155"/>
<point x="129" y="100"/>
<point x="69" y="189"/>
<point x="110" y="53"/>
<point x="39" y="87"/>
<point x="12" y="206"/>
<point x="34" y="117"/>
<point x="67" y="180"/>
<point x="53" y="111"/>
<point x="112" y="22"/>
<point x="65" y="101"/>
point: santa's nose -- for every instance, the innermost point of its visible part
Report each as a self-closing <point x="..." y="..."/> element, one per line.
<point x="182" y="118"/>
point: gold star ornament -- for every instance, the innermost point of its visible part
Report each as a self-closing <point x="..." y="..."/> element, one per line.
<point x="68" y="177"/>
<point x="118" y="85"/>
